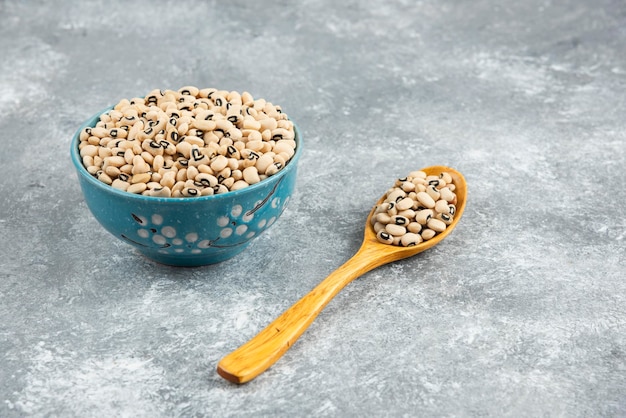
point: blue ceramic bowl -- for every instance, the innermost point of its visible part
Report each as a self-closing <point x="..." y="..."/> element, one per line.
<point x="188" y="231"/>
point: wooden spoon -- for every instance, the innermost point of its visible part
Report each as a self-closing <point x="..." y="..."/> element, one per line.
<point x="258" y="354"/>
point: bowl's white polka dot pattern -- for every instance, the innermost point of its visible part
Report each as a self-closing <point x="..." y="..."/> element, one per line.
<point x="154" y="230"/>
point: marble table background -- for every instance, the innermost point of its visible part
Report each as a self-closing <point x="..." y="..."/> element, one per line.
<point x="521" y="312"/>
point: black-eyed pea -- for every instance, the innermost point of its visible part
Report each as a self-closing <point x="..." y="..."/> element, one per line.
<point x="99" y="132"/>
<point x="184" y="149"/>
<point x="120" y="184"/>
<point x="433" y="192"/>
<point x="233" y="152"/>
<point x="178" y="186"/>
<point x="182" y="129"/>
<point x="205" y="168"/>
<point x="93" y="169"/>
<point x="447" y="194"/>
<point x="207" y="180"/>
<point x="423" y="216"/>
<point x="253" y="135"/>
<point x="383" y="218"/>
<point x="141" y="178"/>
<point x="281" y="158"/>
<point x="219" y="189"/>
<point x="399" y="220"/>
<point x="234" y="97"/>
<point x="189" y="91"/>
<point x="139" y="165"/>
<point x="404" y="204"/>
<point x="152" y="146"/>
<point x="114" y="160"/>
<point x="168" y="147"/>
<point x="410" y="239"/>
<point x="104" y="152"/>
<point x="147" y="157"/>
<point x="284" y="146"/>
<point x="408" y="213"/>
<point x="395" y="195"/>
<point x="238" y="185"/>
<point x="234" y="134"/>
<point x="135" y="129"/>
<point x="452" y="210"/>
<point x="129" y="156"/>
<point x="219" y="163"/>
<point x="156" y="177"/>
<point x="237" y="174"/>
<point x="197" y="157"/>
<point x="181" y="175"/>
<point x="224" y="174"/>
<point x="85" y="134"/>
<point x="190" y="192"/>
<point x="268" y="124"/>
<point x="264" y="162"/>
<point x="378" y="226"/>
<point x="251" y="175"/>
<point x="168" y="179"/>
<point x="158" y="163"/>
<point x="210" y="137"/>
<point x="384" y="237"/>
<point x="247" y="98"/>
<point x="103" y="177"/>
<point x="414" y="227"/>
<point x="445" y="218"/>
<point x="249" y="122"/>
<point x="273" y="169"/>
<point x="285" y="124"/>
<point x="408" y="186"/>
<point x="426" y="200"/>
<point x="436" y="225"/>
<point x="228" y="182"/>
<point x="87" y="160"/>
<point x="392" y="210"/>
<point x="192" y="172"/>
<point x="395" y="230"/>
<point x="427" y="234"/>
<point x="266" y="135"/>
<point x="207" y="191"/>
<point x="442" y="206"/>
<point x="452" y="187"/>
<point x="94" y="140"/>
<point x="206" y="93"/>
<point x="112" y="171"/>
<point x="161" y="192"/>
<point x="194" y="140"/>
<point x="89" y="150"/>
<point x="127" y="169"/>
<point x="204" y="124"/>
<point x="446" y="177"/>
<point x="137" y="188"/>
<point x="254" y="145"/>
<point x="124" y="103"/>
<point x="98" y="161"/>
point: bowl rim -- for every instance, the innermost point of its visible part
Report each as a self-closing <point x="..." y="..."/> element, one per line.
<point x="82" y="171"/>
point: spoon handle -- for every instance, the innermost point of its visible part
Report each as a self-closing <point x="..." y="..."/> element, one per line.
<point x="259" y="353"/>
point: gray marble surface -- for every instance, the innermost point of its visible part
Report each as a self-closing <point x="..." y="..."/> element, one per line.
<point x="521" y="312"/>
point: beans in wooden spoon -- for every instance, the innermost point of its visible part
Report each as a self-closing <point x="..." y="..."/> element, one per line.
<point x="262" y="351"/>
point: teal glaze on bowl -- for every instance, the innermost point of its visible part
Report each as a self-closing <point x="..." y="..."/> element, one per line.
<point x="189" y="231"/>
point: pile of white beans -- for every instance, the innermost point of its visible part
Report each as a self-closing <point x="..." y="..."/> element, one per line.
<point x="415" y="209"/>
<point x="186" y="143"/>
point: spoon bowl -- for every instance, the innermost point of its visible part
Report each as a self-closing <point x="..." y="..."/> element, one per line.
<point x="259" y="353"/>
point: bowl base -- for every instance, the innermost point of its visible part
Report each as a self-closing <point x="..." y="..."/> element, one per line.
<point x="180" y="260"/>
